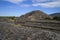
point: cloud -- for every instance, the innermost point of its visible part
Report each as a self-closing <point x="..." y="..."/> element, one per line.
<point x="40" y="1"/>
<point x="15" y="1"/>
<point x="25" y="5"/>
<point x="54" y="3"/>
<point x="43" y="3"/>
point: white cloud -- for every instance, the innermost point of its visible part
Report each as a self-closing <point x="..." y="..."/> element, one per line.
<point x="15" y="1"/>
<point x="37" y="1"/>
<point x="25" y="5"/>
<point x="54" y="3"/>
<point x="43" y="3"/>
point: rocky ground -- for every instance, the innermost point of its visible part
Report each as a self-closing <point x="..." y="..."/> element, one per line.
<point x="9" y="32"/>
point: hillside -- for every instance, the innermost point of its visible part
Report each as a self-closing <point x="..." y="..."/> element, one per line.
<point x="55" y="14"/>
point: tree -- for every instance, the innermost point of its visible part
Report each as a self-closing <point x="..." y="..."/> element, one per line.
<point x="56" y="18"/>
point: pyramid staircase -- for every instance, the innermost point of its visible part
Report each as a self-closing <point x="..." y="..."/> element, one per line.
<point x="45" y="24"/>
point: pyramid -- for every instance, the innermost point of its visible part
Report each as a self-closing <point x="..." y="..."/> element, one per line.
<point x="33" y="15"/>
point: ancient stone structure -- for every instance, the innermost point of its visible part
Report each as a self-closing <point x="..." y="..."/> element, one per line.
<point x="34" y="15"/>
<point x="9" y="32"/>
<point x="32" y="27"/>
<point x="46" y="24"/>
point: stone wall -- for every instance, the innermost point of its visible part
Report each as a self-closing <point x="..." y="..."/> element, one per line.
<point x="41" y="24"/>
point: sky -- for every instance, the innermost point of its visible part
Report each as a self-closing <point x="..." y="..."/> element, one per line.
<point x="21" y="7"/>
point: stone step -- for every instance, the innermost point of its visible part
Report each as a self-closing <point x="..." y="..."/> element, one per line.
<point x="42" y="23"/>
<point x="43" y="27"/>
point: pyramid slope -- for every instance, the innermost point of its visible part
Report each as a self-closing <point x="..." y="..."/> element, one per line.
<point x="34" y="15"/>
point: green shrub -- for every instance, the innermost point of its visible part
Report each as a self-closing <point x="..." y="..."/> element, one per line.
<point x="48" y="18"/>
<point x="56" y="18"/>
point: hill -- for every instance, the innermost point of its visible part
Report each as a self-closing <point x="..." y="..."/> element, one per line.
<point x="55" y="14"/>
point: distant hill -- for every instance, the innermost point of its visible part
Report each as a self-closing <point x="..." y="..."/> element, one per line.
<point x="55" y="14"/>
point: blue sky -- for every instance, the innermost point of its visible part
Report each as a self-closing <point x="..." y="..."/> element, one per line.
<point x="20" y="7"/>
